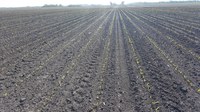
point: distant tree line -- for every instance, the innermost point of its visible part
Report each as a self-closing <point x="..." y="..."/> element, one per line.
<point x="52" y="5"/>
<point x="183" y="1"/>
<point x="74" y="5"/>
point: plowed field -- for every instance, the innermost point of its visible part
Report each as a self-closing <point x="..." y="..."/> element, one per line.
<point x="100" y="60"/>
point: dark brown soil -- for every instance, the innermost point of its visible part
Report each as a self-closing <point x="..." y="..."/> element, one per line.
<point x="100" y="60"/>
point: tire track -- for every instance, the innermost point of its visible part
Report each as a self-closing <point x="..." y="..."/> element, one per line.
<point x="65" y="75"/>
<point x="36" y="71"/>
<point x="98" y="89"/>
<point x="60" y="27"/>
<point x="50" y="43"/>
<point x="151" y="102"/>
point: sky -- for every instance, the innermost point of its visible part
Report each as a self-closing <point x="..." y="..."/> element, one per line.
<point x="24" y="3"/>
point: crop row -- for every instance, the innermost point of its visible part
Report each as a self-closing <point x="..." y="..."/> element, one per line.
<point x="76" y="39"/>
<point x="177" y="45"/>
<point x="164" y="59"/>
